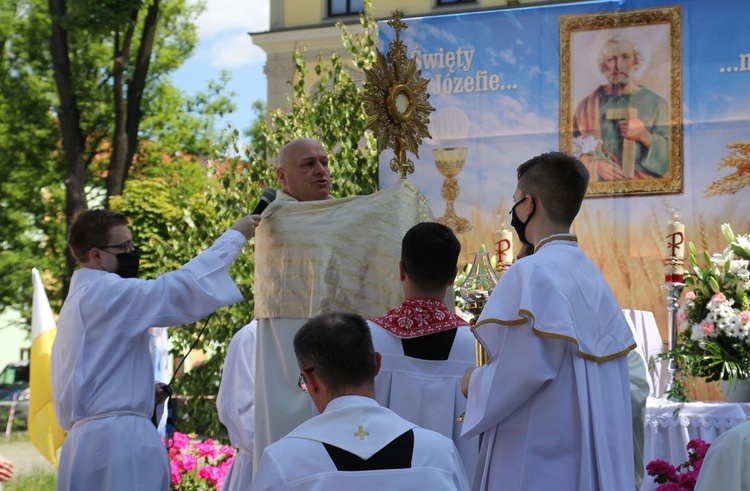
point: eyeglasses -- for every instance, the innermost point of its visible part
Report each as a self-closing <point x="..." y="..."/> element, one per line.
<point x="302" y="383"/>
<point x="126" y="246"/>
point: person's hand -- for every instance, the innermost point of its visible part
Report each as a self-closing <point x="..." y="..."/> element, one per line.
<point x="607" y="171"/>
<point x="465" y="381"/>
<point x="247" y="225"/>
<point x="160" y="393"/>
<point x="634" y="129"/>
<point x="6" y="469"/>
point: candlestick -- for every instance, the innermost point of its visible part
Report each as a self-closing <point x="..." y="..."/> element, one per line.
<point x="675" y="288"/>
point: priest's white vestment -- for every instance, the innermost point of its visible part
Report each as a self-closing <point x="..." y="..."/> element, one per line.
<point x="358" y="425"/>
<point x="426" y="392"/>
<point x="102" y="374"/>
<point x="235" y="405"/>
<point x="335" y="255"/>
<point x="554" y="400"/>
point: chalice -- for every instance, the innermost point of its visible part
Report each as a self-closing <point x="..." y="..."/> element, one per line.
<point x="449" y="162"/>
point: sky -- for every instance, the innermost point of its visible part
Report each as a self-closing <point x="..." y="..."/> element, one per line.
<point x="224" y="44"/>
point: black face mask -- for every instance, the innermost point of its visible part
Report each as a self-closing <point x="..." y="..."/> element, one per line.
<point x="128" y="263"/>
<point x="517" y="224"/>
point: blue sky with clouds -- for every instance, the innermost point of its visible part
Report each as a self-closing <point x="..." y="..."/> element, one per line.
<point x="224" y="44"/>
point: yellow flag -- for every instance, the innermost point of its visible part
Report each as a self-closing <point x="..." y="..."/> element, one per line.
<point x="44" y="430"/>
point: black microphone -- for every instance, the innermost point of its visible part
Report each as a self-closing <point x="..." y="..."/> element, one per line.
<point x="269" y="194"/>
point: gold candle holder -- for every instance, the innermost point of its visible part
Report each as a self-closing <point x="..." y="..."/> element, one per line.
<point x="476" y="290"/>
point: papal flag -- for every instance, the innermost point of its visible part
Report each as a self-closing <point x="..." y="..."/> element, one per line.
<point x="44" y="430"/>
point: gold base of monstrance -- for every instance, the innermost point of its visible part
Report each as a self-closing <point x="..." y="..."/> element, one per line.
<point x="449" y="162"/>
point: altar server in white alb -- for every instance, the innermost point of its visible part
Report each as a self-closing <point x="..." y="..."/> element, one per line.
<point x="354" y="443"/>
<point x="426" y="348"/>
<point x="554" y="400"/>
<point x="102" y="375"/>
<point x="236" y="405"/>
<point x="725" y="464"/>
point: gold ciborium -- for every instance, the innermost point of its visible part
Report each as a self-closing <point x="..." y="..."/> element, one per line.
<point x="449" y="162"/>
<point x="476" y="290"/>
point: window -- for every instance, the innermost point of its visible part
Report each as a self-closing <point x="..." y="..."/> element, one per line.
<point x="345" y="7"/>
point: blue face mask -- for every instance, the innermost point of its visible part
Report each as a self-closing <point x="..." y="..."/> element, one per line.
<point x="517" y="224"/>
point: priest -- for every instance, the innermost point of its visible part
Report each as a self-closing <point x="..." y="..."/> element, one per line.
<point x="315" y="254"/>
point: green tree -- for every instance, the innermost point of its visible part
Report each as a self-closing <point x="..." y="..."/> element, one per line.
<point x="38" y="173"/>
<point x="332" y="111"/>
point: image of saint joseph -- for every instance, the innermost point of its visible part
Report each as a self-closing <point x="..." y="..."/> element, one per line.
<point x="622" y="126"/>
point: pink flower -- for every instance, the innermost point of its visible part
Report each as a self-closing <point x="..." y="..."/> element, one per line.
<point x="690" y="295"/>
<point x="180" y="440"/>
<point x="699" y="447"/>
<point x="745" y="316"/>
<point x="175" y="471"/>
<point x="226" y="450"/>
<point x="687" y="479"/>
<point x="211" y="474"/>
<point x="663" y="471"/>
<point x="682" y="318"/>
<point x="206" y="449"/>
<point x="707" y="327"/>
<point x="718" y="298"/>
<point x="186" y="462"/>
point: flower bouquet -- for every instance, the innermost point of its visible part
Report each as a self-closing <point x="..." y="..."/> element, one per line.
<point x="682" y="477"/>
<point x="715" y="342"/>
<point x="198" y="466"/>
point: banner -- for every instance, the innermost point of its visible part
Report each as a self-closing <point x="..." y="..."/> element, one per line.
<point x="510" y="84"/>
<point x="44" y="430"/>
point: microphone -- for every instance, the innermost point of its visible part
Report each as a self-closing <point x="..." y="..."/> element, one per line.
<point x="269" y="194"/>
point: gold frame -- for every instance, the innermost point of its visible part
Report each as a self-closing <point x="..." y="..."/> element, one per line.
<point x="672" y="181"/>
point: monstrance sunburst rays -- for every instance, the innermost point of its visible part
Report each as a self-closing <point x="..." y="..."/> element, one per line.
<point x="396" y="101"/>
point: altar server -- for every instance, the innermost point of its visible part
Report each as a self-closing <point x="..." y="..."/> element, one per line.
<point x="354" y="443"/>
<point x="426" y="348"/>
<point x="725" y="465"/>
<point x="554" y="400"/>
<point x="236" y="405"/>
<point x="102" y="375"/>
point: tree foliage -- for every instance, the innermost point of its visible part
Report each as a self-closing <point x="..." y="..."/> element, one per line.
<point x="34" y="172"/>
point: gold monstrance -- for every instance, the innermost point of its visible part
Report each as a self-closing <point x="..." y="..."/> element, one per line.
<point x="395" y="96"/>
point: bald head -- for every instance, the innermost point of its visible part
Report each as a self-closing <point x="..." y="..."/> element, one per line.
<point x="302" y="169"/>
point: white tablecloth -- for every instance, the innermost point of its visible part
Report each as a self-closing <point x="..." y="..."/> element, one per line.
<point x="668" y="432"/>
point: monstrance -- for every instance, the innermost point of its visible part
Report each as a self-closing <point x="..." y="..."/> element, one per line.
<point x="395" y="97"/>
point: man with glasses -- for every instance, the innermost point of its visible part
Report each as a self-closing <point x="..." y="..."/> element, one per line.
<point x="553" y="403"/>
<point x="354" y="443"/>
<point x="102" y="375"/>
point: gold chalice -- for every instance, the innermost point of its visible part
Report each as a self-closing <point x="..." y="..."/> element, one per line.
<point x="449" y="162"/>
